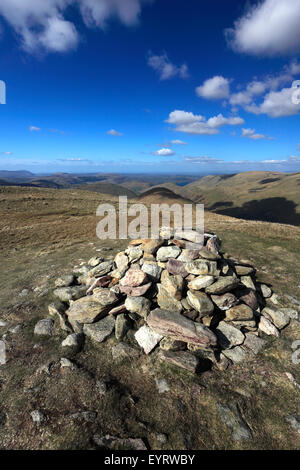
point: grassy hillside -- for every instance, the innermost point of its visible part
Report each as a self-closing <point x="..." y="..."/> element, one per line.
<point x="268" y="196"/>
<point x="106" y="188"/>
<point x="45" y="233"/>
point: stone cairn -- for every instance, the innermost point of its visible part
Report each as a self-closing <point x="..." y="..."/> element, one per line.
<point x="190" y="304"/>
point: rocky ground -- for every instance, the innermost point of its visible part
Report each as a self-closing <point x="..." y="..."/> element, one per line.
<point x="60" y="393"/>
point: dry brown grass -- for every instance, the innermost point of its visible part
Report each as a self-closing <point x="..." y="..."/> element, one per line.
<point x="44" y="233"/>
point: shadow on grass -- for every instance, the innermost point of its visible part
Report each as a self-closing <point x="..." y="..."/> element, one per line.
<point x="274" y="209"/>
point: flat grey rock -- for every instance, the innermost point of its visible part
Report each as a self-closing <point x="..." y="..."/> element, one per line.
<point x="231" y="416"/>
<point x="101" y="330"/>
<point x="229" y="336"/>
<point x="44" y="327"/>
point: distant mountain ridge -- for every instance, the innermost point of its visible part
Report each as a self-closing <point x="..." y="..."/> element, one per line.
<point x="267" y="196"/>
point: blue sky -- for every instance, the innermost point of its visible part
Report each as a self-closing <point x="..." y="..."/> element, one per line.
<point x="150" y="86"/>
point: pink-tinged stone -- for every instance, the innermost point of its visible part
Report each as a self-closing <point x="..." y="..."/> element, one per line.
<point x="135" y="291"/>
<point x="139" y="241"/>
<point x="183" y="359"/>
<point x="213" y="244"/>
<point x="188" y="255"/>
<point x="117" y="310"/>
<point x="176" y="267"/>
<point x="103" y="281"/>
<point x="177" y="326"/>
<point x="249" y="297"/>
<point x="151" y="246"/>
<point x="179" y="243"/>
<point x="134" y="278"/>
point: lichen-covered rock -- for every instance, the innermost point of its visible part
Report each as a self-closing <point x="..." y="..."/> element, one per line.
<point x="265" y="290"/>
<point x="105" y="297"/>
<point x="239" y="313"/>
<point x="86" y="310"/>
<point x="152" y="270"/>
<point x="134" y="253"/>
<point x="74" y="341"/>
<point x="222" y="285"/>
<point x="65" y="294"/>
<point x="248" y="282"/>
<point x="231" y="416"/>
<point x="116" y="443"/>
<point x="3" y="357"/>
<point x="139" y="305"/>
<point x="236" y="354"/>
<point x="201" y="282"/>
<point x="168" y="301"/>
<point x="65" y="281"/>
<point x="147" y="338"/>
<point x="279" y="318"/>
<point x="44" y="327"/>
<point x="267" y="327"/>
<point x="176" y="326"/>
<point x="151" y="246"/>
<point x="121" y="261"/>
<point x="229" y="336"/>
<point x="172" y="284"/>
<point x="253" y="343"/>
<point x="225" y="301"/>
<point x="183" y="359"/>
<point x="189" y="235"/>
<point x="101" y="330"/>
<point x="101" y="269"/>
<point x="58" y="309"/>
<point x="202" y="267"/>
<point x="122" y="325"/>
<point x="175" y="266"/>
<point x="135" y="291"/>
<point x="200" y="302"/>
<point x="169" y="344"/>
<point x="166" y="252"/>
<point x="243" y="270"/>
<point x="134" y="278"/>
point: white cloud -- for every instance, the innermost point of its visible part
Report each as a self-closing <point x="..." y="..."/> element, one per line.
<point x="114" y="133"/>
<point x="34" y="129"/>
<point x="196" y="124"/>
<point x="165" y="69"/>
<point x="276" y="104"/>
<point x="214" y="88"/>
<point x="265" y="96"/>
<point x="242" y="98"/>
<point x="164" y="152"/>
<point x="41" y="25"/>
<point x="74" y="160"/>
<point x="203" y="160"/>
<point x="59" y="35"/>
<point x="178" y="142"/>
<point x="220" y="120"/>
<point x="270" y="27"/>
<point x="275" y="100"/>
<point x="287" y="164"/>
<point x="6" y="153"/>
<point x="183" y="117"/>
<point x="251" y="134"/>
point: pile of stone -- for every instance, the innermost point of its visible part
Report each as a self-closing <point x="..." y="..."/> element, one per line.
<point x="188" y="303"/>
